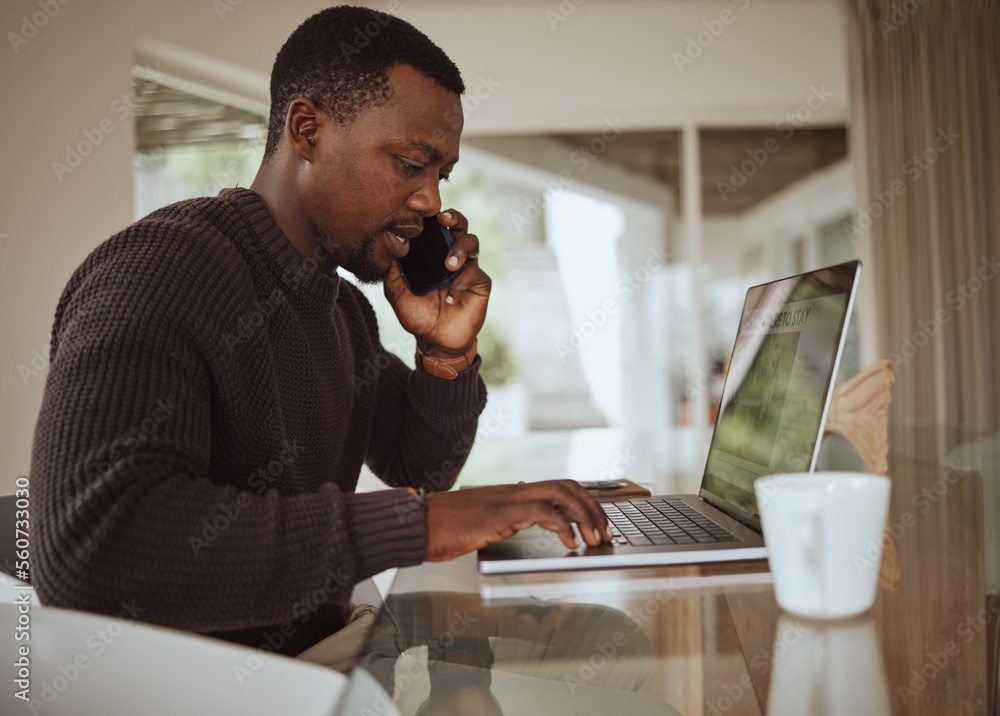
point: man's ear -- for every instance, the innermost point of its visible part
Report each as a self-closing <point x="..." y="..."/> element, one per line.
<point x="301" y="124"/>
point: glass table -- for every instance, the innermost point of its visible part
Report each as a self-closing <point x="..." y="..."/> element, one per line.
<point x="711" y="639"/>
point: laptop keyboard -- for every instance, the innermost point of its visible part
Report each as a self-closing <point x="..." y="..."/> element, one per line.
<point x="662" y="521"/>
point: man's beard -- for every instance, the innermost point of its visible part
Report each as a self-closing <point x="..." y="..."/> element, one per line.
<point x="360" y="261"/>
<point x="360" y="258"/>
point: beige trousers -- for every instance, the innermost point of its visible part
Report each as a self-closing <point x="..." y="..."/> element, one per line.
<point x="525" y="657"/>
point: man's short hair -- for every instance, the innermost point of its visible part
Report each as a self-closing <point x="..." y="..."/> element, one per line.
<point x="340" y="57"/>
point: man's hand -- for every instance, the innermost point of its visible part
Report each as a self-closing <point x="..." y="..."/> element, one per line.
<point x="466" y="520"/>
<point x="446" y="320"/>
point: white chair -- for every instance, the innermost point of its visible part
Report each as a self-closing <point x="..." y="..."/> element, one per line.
<point x="80" y="663"/>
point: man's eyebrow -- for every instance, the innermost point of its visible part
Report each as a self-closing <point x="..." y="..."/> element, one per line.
<point x="431" y="151"/>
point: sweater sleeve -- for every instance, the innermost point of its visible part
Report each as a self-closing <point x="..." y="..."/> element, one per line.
<point x="426" y="426"/>
<point x="127" y="507"/>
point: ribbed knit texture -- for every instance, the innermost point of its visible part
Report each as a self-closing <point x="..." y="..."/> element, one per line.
<point x="210" y="400"/>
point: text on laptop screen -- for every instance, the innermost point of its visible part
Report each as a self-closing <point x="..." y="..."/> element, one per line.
<point x="778" y="384"/>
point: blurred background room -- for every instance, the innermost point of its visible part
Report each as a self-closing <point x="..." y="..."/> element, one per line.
<point x="631" y="168"/>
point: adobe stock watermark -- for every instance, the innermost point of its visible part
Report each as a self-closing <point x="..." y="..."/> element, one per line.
<point x="935" y="662"/>
<point x="913" y="169"/>
<point x="759" y="156"/>
<point x="230" y="173"/>
<point x="364" y="34"/>
<point x="37" y="365"/>
<point x="131" y="440"/>
<point x="922" y="503"/>
<point x="620" y="464"/>
<point x="581" y="158"/>
<point x="31" y="26"/>
<point x="474" y="97"/>
<point x="262" y="479"/>
<point x="592" y="665"/>
<point x="338" y="580"/>
<point x="640" y="615"/>
<point x="596" y="318"/>
<point x="458" y="625"/>
<point x="900" y="15"/>
<point x="697" y="384"/>
<point x="39" y="362"/>
<point x="540" y="545"/>
<point x="373" y="367"/>
<point x="96" y="643"/>
<point x="617" y="469"/>
<point x="228" y="513"/>
<point x="491" y="422"/>
<point x="615" y="645"/>
<point x="958" y="297"/>
<point x="125" y="445"/>
<point x="469" y="103"/>
<point x="224" y="7"/>
<point x="788" y="635"/>
<point x="296" y="275"/>
<point x="777" y="481"/>
<point x="250" y="322"/>
<point x="559" y="14"/>
<point x="697" y="44"/>
<point x="121" y="107"/>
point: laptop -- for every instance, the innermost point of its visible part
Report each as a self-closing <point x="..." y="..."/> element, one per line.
<point x="774" y="405"/>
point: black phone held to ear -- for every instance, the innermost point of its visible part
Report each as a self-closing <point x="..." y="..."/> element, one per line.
<point x="423" y="266"/>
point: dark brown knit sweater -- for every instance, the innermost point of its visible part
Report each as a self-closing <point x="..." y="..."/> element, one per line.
<point x="210" y="401"/>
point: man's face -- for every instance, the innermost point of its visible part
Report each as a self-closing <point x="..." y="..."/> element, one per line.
<point x="373" y="180"/>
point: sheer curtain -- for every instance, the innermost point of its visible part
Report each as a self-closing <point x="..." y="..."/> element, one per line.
<point x="925" y="77"/>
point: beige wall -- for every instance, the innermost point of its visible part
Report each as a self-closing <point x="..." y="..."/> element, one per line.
<point x="601" y="60"/>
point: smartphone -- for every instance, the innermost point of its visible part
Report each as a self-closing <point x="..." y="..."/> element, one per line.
<point x="604" y="485"/>
<point x="423" y="266"/>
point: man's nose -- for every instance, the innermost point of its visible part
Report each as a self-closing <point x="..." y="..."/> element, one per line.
<point x="427" y="199"/>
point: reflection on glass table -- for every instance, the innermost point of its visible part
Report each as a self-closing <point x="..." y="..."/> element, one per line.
<point x="447" y="652"/>
<point x="710" y="639"/>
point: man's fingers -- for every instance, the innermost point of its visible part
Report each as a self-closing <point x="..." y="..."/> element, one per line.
<point x="464" y="250"/>
<point x="583" y="509"/>
<point x="573" y="502"/>
<point x="544" y="514"/>
<point x="455" y="221"/>
<point x="465" y="246"/>
<point x="472" y="279"/>
<point x="459" y="522"/>
<point x="568" y="537"/>
<point x="600" y="517"/>
<point x="393" y="284"/>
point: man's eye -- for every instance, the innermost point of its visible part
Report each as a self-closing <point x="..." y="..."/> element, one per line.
<point x="408" y="168"/>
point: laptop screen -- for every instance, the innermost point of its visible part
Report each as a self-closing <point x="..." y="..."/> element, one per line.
<point x="778" y="386"/>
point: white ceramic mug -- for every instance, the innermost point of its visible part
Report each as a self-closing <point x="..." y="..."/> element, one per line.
<point x="823" y="533"/>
